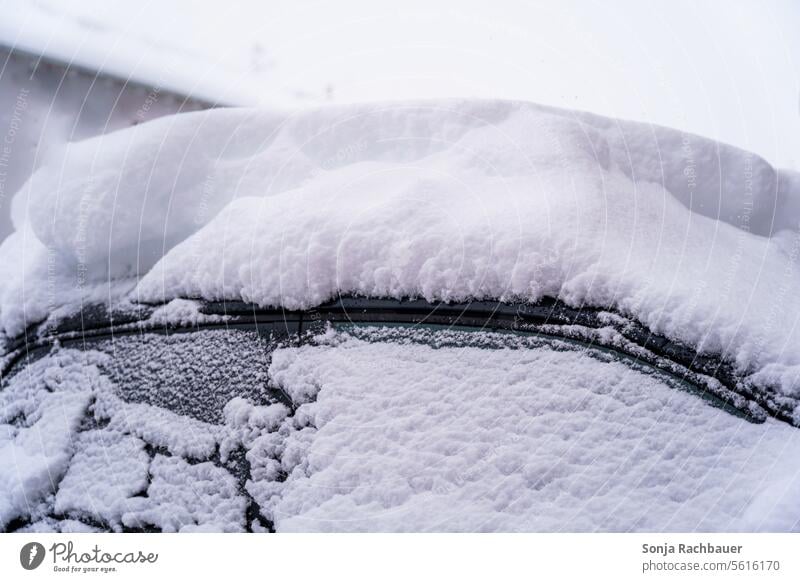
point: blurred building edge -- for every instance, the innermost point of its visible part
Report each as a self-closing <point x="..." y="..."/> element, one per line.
<point x="45" y="102"/>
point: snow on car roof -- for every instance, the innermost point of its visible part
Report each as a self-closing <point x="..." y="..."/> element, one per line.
<point x="446" y="200"/>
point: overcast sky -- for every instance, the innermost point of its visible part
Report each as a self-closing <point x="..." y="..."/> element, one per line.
<point x="726" y="69"/>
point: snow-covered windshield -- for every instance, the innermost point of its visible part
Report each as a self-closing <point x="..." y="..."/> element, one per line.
<point x="376" y="428"/>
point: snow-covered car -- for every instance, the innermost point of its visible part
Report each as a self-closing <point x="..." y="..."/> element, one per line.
<point x="470" y="316"/>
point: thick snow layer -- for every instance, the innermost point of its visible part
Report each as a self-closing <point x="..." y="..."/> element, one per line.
<point x="510" y="201"/>
<point x="131" y="195"/>
<point x="401" y="436"/>
<point x="444" y="200"/>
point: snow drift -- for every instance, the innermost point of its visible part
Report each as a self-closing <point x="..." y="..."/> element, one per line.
<point x="445" y="200"/>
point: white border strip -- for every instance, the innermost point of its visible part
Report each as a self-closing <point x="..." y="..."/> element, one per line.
<point x="380" y="557"/>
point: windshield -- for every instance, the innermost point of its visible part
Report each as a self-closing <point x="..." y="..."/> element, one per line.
<point x="365" y="427"/>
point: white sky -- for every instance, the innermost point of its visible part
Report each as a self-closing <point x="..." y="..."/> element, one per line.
<point x="726" y="69"/>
